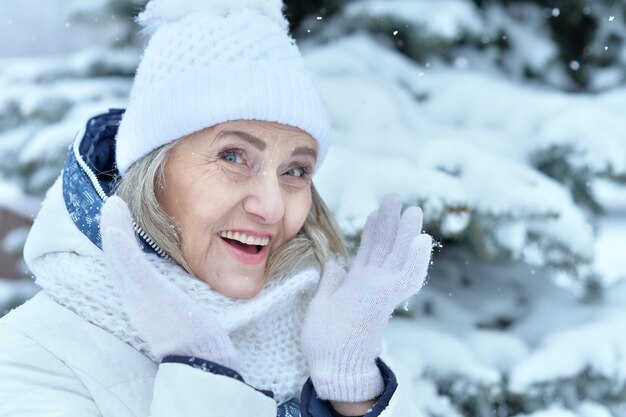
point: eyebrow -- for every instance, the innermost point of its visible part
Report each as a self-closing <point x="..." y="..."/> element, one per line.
<point x="259" y="144"/>
<point x="304" y="150"/>
<point x="253" y="140"/>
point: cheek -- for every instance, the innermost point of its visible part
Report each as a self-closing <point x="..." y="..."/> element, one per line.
<point x="197" y="218"/>
<point x="191" y="246"/>
<point x="295" y="215"/>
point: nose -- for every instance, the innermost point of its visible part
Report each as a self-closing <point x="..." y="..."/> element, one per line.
<point x="265" y="200"/>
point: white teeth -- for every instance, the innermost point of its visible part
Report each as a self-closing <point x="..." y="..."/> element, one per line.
<point x="244" y="238"/>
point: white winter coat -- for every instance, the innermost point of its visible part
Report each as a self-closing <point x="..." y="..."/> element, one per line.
<point x="55" y="364"/>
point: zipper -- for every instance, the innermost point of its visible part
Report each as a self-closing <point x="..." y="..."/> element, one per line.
<point x="96" y="184"/>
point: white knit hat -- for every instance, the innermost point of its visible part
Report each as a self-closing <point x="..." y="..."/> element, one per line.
<point x="212" y="61"/>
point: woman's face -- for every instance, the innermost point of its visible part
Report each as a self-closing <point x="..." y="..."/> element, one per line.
<point x="238" y="191"/>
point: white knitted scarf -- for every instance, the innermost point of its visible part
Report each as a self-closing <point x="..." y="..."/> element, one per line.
<point x="265" y="329"/>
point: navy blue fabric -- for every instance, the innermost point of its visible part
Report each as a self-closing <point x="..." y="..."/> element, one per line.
<point x="81" y="199"/>
<point x="97" y="147"/>
<point x="313" y="406"/>
<point x="97" y="150"/>
<point x="289" y="409"/>
<point x="212" y="367"/>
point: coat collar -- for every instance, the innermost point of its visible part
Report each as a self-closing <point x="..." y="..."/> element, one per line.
<point x="90" y="176"/>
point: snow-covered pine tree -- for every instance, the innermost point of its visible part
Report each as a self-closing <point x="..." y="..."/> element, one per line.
<point x="45" y="99"/>
<point x="513" y="41"/>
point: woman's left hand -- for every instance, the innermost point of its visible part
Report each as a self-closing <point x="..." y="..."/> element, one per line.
<point x="343" y="326"/>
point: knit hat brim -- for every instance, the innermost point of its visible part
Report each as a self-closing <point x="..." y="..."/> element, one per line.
<point x="224" y="93"/>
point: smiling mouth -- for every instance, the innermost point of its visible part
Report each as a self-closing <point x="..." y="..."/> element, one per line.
<point x="251" y="249"/>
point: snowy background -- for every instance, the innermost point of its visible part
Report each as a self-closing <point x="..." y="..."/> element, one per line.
<point x="504" y="120"/>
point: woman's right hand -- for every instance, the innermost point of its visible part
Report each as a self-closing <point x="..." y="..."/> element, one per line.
<point x="344" y="323"/>
<point x="164" y="316"/>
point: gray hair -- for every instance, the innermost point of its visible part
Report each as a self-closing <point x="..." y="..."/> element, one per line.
<point x="318" y="241"/>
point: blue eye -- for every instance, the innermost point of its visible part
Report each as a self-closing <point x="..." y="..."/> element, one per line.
<point x="232" y="155"/>
<point x="297" y="171"/>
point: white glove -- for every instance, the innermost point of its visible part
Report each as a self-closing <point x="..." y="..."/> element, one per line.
<point x="343" y="326"/>
<point x="165" y="317"/>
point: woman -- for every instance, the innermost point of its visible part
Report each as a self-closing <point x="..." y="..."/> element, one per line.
<point x="210" y="302"/>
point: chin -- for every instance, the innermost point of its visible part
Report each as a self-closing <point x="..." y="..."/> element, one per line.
<point x="243" y="295"/>
<point x="235" y="286"/>
<point x="240" y="293"/>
